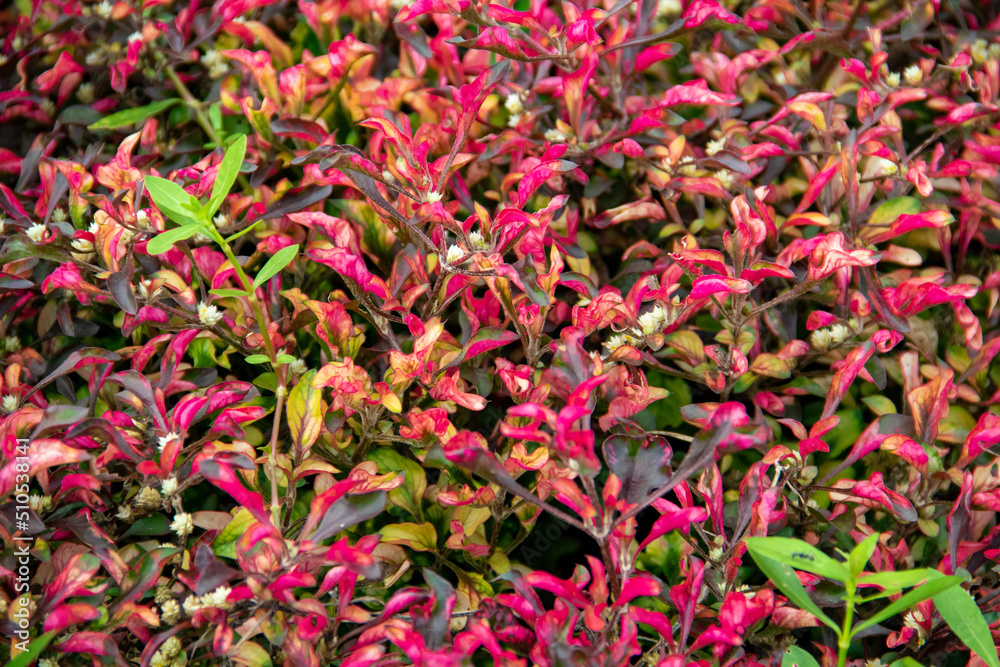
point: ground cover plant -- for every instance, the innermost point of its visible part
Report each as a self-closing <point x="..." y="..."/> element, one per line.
<point x="454" y="332"/>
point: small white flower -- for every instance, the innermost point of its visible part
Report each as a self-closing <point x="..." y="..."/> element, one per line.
<point x="297" y="367"/>
<point x="514" y="104"/>
<point x="147" y="499"/>
<point x="477" y="241"/>
<point x="725" y="178"/>
<point x="36" y="232"/>
<point x="652" y="321"/>
<point x="85" y="93"/>
<point x="716" y="553"/>
<point x="169" y="611"/>
<point x="192" y="604"/>
<point x="555" y="136"/>
<point x="884" y="167"/>
<point x="514" y="120"/>
<point x="34" y="501"/>
<point x="126" y="235"/>
<point x="59" y="215"/>
<point x="820" y="340"/>
<point x="454" y="254"/>
<point x="208" y="314"/>
<point x="94" y="228"/>
<point x="714" y="146"/>
<point x="433" y="196"/>
<point x="216" y="63"/>
<point x="687" y="168"/>
<point x="165" y="440"/>
<point x="82" y="245"/>
<point x="979" y="51"/>
<point x="913" y="75"/>
<point x="135" y="37"/>
<point x="124" y="513"/>
<point x="172" y="646"/>
<point x="873" y="663"/>
<point x="11" y="344"/>
<point x="839" y="333"/>
<point x="201" y="239"/>
<point x="169" y="486"/>
<point x="387" y="176"/>
<point x="46" y="662"/>
<point x="892" y="79"/>
<point x="220" y="221"/>
<point x="103" y="9"/>
<point x="619" y="340"/>
<point x="217" y="598"/>
<point x="95" y="57"/>
<point x="182" y="524"/>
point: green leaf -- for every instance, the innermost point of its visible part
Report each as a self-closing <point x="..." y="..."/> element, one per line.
<point x="788" y="583"/>
<point x="170" y="198"/>
<point x="228" y="292"/>
<point x="278" y="261"/>
<point x="799" y="554"/>
<point x="899" y="579"/>
<point x="796" y="657"/>
<point x="906" y="662"/>
<point x="229" y="170"/>
<point x="151" y="525"/>
<point x="917" y="595"/>
<point x="285" y="358"/>
<point x="963" y="616"/>
<point x="132" y="116"/>
<point x="268" y="381"/>
<point x="889" y="211"/>
<point x="257" y="359"/>
<point x="225" y="541"/>
<point x="861" y="554"/>
<point x="34" y="650"/>
<point x="165" y="241"/>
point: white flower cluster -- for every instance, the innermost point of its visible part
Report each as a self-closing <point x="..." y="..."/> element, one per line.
<point x="183" y="524"/>
<point x="11" y="344"/>
<point x="555" y="136"/>
<point x="455" y="253"/>
<point x="823" y="339"/>
<point x="514" y="104"/>
<point x="208" y="314"/>
<point x="36" y="232"/>
<point x="913" y="75"/>
<point x="714" y="146"/>
<point x="170" y="653"/>
<point x="216" y="598"/>
<point x="163" y="441"/>
<point x="216" y="63"/>
<point x="9" y="404"/>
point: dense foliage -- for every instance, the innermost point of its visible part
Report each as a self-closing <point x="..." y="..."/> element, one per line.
<point x="456" y="332"/>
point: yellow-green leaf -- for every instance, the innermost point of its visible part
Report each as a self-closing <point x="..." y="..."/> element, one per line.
<point x="417" y="536"/>
<point x="304" y="413"/>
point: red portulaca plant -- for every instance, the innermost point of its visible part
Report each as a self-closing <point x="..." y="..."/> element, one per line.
<point x="516" y="332"/>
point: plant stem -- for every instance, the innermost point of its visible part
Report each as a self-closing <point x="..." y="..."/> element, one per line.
<point x="272" y="459"/>
<point x="248" y="286"/>
<point x="844" y="640"/>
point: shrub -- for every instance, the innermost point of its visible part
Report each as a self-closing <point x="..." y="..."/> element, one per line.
<point x="453" y="332"/>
